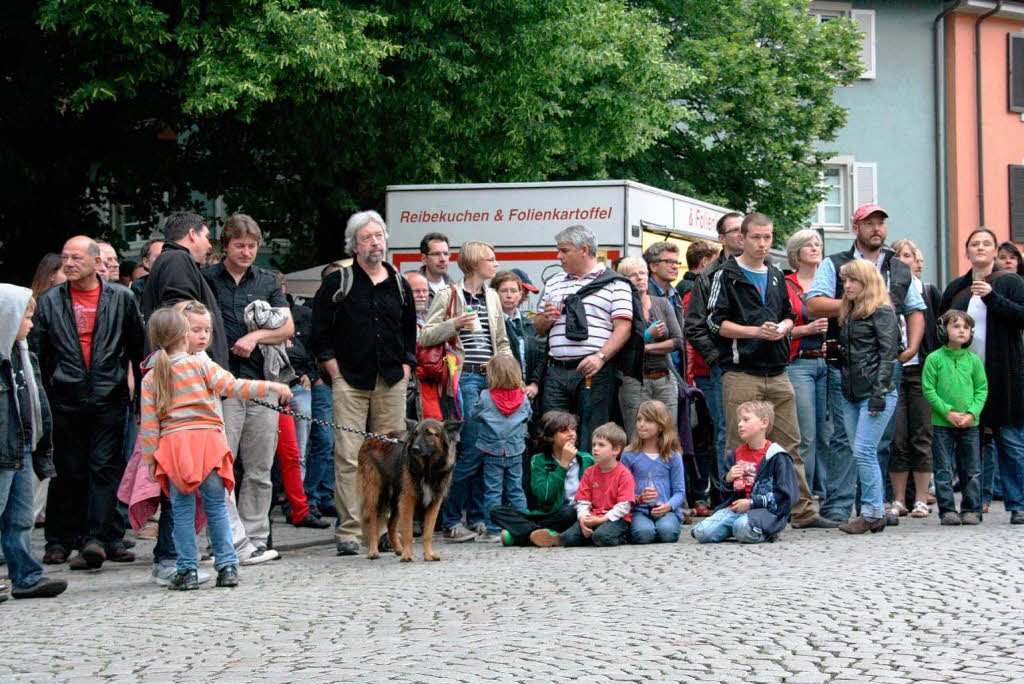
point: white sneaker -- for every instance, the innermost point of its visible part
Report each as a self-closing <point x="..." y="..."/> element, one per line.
<point x="164" y="571"/>
<point x="488" y="538"/>
<point x="261" y="555"/>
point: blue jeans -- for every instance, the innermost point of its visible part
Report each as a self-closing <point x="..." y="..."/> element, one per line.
<point x="467" y="491"/>
<point x="837" y="460"/>
<point x="646" y="530"/>
<point x="1010" y="443"/>
<point x="868" y="431"/>
<point x="809" y="378"/>
<point x="302" y="401"/>
<point x="885" y="444"/>
<point x="991" y="483"/>
<point x="961" y="445"/>
<point x="16" y="522"/>
<point x="723" y="524"/>
<point x="215" y="506"/>
<point x="503" y="482"/>
<point x="319" y="476"/>
<point x="711" y="386"/>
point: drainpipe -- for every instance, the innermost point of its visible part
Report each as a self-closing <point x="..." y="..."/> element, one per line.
<point x="977" y="99"/>
<point x="939" y="68"/>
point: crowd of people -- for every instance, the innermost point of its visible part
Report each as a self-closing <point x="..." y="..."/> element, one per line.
<point x="623" y="405"/>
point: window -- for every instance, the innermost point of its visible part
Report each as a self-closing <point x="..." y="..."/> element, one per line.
<point x="848" y="184"/>
<point x="865" y="21"/>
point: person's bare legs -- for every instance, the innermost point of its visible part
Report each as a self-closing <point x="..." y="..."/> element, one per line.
<point x="899" y="488"/>
<point x="921" y="482"/>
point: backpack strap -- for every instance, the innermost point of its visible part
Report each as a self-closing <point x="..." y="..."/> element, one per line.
<point x="345" y="284"/>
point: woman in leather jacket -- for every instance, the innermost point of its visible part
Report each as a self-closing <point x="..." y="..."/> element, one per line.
<point x="870" y="339"/>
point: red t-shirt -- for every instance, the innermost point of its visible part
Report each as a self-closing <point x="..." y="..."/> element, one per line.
<point x="604" y="490"/>
<point x="84" y="304"/>
<point x="750" y="459"/>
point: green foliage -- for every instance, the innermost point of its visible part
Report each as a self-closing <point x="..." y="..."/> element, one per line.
<point x="763" y="110"/>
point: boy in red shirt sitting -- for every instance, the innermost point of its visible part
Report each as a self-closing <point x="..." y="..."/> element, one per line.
<point x="605" y="495"/>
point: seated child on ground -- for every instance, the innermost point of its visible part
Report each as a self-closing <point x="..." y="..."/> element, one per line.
<point x="655" y="459"/>
<point x="759" y="506"/>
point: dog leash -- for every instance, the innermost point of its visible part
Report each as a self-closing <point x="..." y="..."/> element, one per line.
<point x="288" y="412"/>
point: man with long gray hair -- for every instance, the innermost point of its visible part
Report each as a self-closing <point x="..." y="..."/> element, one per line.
<point x="364" y="337"/>
<point x="587" y="314"/>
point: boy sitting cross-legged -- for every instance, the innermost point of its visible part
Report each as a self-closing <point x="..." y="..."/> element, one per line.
<point x="605" y="495"/>
<point x="762" y="480"/>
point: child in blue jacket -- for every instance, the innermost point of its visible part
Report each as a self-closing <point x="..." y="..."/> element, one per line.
<point x="502" y="413"/>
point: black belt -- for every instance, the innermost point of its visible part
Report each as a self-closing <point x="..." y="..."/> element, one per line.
<point x="478" y="368"/>
<point x="811" y="354"/>
<point x="565" y="363"/>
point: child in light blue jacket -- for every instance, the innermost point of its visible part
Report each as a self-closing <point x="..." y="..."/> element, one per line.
<point x="502" y="415"/>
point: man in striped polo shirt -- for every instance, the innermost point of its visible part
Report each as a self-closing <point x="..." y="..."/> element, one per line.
<point x="573" y="357"/>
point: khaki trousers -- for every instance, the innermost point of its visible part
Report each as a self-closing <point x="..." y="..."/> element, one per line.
<point x="741" y="387"/>
<point x="381" y="410"/>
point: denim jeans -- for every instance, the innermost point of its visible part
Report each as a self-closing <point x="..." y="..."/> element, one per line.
<point x="885" y="443"/>
<point x="319" y="477"/>
<point x="963" y="446"/>
<point x="612" y="533"/>
<point x="991" y="483"/>
<point x="711" y="386"/>
<point x="503" y="485"/>
<point x="16" y="522"/>
<point x="1010" y="444"/>
<point x="302" y="401"/>
<point x="723" y="524"/>
<point x="809" y="378"/>
<point x="215" y="506"/>
<point x="837" y="460"/>
<point x="868" y="431"/>
<point x="466" y="491"/>
<point x="645" y="530"/>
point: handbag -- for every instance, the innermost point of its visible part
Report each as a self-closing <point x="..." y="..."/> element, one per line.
<point x="430" y="360"/>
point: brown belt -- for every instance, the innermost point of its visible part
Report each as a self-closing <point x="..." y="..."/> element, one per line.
<point x="478" y="368"/>
<point x="811" y="354"/>
<point x="656" y="375"/>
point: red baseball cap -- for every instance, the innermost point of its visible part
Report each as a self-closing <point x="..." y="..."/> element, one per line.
<point x="865" y="210"/>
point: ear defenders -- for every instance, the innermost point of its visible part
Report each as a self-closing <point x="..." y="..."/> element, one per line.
<point x="943" y="335"/>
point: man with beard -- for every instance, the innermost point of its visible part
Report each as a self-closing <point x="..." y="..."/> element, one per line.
<point x="364" y="337"/>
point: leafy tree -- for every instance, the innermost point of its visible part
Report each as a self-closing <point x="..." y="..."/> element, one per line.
<point x="299" y="111"/>
<point x="763" y="112"/>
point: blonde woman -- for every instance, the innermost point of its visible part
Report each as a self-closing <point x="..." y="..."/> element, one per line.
<point x="478" y="335"/>
<point x="869" y="336"/>
<point x="663" y="337"/>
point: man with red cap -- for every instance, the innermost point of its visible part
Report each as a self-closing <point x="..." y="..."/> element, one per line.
<point x="823" y="299"/>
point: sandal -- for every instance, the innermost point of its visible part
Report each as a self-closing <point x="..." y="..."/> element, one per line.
<point x="921" y="510"/>
<point x="897" y="508"/>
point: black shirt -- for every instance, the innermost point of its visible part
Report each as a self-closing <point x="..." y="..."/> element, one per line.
<point x="256" y="284"/>
<point x="370" y="333"/>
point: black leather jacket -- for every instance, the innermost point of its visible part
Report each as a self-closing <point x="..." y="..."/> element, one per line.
<point x="870" y="347"/>
<point x="117" y="340"/>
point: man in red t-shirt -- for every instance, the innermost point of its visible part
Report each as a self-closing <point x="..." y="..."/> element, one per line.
<point x="87" y="333"/>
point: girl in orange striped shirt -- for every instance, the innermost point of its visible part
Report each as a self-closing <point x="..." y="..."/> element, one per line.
<point x="184" y="445"/>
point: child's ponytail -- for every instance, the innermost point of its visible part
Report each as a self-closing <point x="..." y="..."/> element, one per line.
<point x="167" y="329"/>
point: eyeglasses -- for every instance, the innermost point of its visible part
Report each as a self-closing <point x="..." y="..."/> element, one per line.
<point x="674" y="262"/>
<point x="443" y="255"/>
<point x="730" y="232"/>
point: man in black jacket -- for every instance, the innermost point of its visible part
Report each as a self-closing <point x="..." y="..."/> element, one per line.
<point x="88" y="332"/>
<point x="750" y="315"/>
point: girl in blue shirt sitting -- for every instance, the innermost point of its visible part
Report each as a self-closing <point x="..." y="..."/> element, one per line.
<point x="655" y="458"/>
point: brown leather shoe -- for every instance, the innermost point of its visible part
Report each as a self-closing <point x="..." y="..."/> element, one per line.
<point x="93" y="554"/>
<point x="119" y="554"/>
<point x="860" y="525"/>
<point x="78" y="563"/>
<point x="55" y="556"/>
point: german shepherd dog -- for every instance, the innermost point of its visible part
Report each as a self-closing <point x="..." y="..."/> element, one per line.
<point x="395" y="478"/>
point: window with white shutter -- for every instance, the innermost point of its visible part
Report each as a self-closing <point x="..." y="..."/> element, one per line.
<point x="848" y="184"/>
<point x="864" y="19"/>
<point x="865" y="183"/>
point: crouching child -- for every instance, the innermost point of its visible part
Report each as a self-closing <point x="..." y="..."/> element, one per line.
<point x="762" y="480"/>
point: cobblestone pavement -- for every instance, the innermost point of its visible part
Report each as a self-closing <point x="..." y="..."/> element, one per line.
<point x="917" y="603"/>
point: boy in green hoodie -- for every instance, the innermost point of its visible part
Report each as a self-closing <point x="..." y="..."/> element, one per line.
<point x="954" y="383"/>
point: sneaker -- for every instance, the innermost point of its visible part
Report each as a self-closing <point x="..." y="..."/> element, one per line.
<point x="227" y="576"/>
<point x="347" y="548"/>
<point x="261" y="555"/>
<point x="970" y="518"/>
<point x="458" y="534"/>
<point x="949" y="518"/>
<point x="488" y="538"/>
<point x="313" y="522"/>
<point x="546" y="538"/>
<point x="891" y="520"/>
<point x="44" y="588"/>
<point x="479" y="528"/>
<point x="1017" y="517"/>
<point x="506" y="538"/>
<point x="184" y="580"/>
<point x="164" y="572"/>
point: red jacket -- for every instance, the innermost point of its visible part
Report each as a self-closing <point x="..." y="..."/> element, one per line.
<point x="695" y="366"/>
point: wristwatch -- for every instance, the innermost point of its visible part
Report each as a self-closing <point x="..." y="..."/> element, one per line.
<point x="600" y="355"/>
